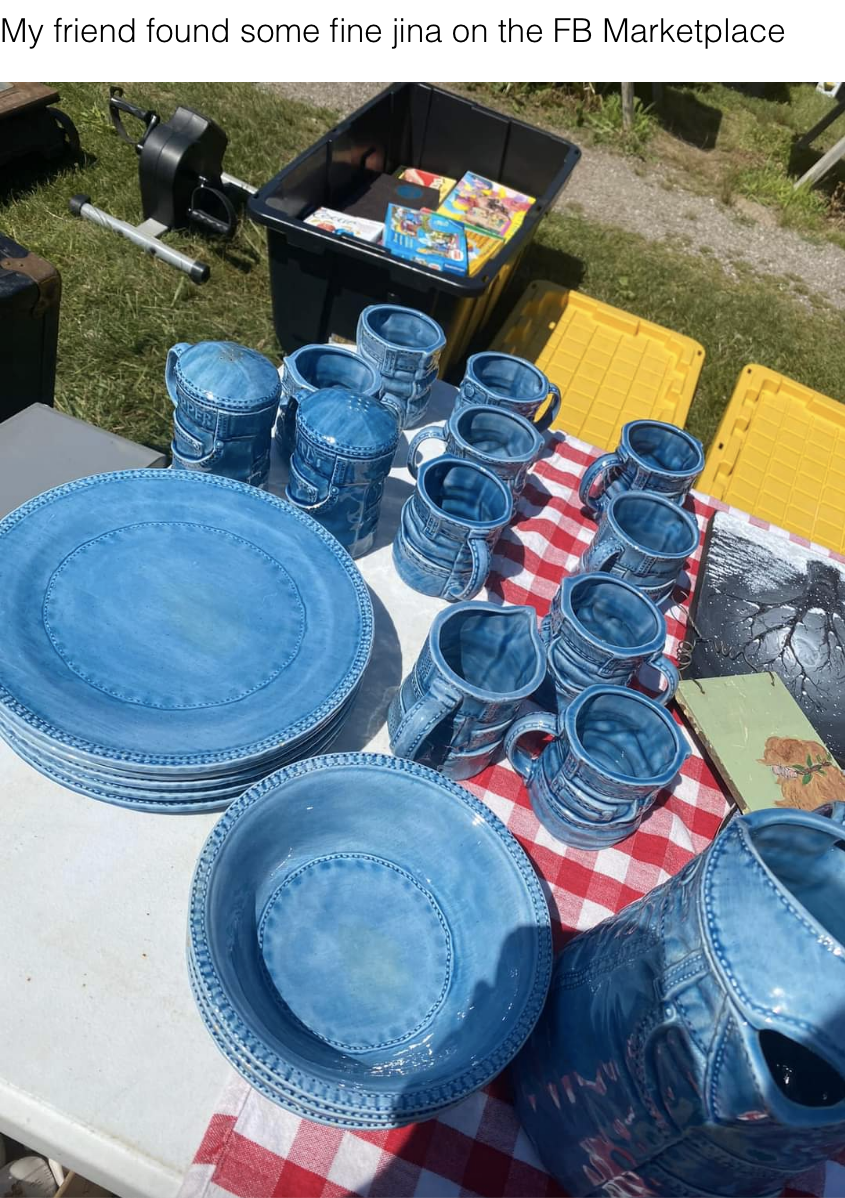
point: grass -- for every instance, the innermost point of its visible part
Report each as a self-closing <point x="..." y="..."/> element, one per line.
<point x="122" y="310"/>
<point x="715" y="140"/>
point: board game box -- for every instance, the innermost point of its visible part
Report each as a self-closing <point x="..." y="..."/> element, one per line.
<point x="426" y="237"/>
<point x="489" y="207"/>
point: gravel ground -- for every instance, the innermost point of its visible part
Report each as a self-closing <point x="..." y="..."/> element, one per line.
<point x="615" y="190"/>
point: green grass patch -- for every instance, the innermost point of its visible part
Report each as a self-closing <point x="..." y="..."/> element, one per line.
<point x="121" y="310"/>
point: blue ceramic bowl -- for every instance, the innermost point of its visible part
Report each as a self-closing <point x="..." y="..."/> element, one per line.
<point x="371" y="936"/>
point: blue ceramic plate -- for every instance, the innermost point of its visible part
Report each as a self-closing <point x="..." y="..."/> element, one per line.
<point x="175" y="619"/>
<point x="371" y="934"/>
<point x="203" y="797"/>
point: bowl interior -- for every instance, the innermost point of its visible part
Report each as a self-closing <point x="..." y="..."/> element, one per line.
<point x="371" y="930"/>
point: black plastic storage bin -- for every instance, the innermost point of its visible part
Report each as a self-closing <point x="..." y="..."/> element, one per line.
<point x="320" y="282"/>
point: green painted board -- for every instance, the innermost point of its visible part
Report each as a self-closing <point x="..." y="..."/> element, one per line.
<point x="760" y="742"/>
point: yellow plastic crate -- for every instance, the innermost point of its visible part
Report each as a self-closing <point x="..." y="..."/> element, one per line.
<point x="611" y="366"/>
<point x="780" y="455"/>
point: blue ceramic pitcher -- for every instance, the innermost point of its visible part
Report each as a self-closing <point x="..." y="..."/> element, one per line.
<point x="343" y="452"/>
<point x="225" y="398"/>
<point x="694" y="1044"/>
<point x="478" y="664"/>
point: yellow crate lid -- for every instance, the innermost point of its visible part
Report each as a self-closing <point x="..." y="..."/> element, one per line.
<point x="611" y="366"/>
<point x="780" y="455"/>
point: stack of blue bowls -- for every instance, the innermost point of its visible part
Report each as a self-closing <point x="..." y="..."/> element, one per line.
<point x="336" y="947"/>
<point x="171" y="637"/>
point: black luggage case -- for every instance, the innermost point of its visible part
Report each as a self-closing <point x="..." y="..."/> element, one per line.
<point x="30" y="292"/>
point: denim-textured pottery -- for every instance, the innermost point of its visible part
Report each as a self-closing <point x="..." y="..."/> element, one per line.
<point x="644" y="539"/>
<point x="651" y="456"/>
<point x="503" y="381"/>
<point x="693" y="1043"/>
<point x="449" y="526"/>
<point x="502" y="441"/>
<point x="225" y="398"/>
<point x="314" y="368"/>
<point x="478" y="664"/>
<point x="146" y="662"/>
<point x="602" y="629"/>
<point x="404" y="346"/>
<point x="342" y="454"/>
<point x="613" y="750"/>
<point x="335" y="950"/>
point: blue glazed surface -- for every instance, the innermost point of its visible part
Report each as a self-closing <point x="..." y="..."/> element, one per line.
<point x="502" y="441"/>
<point x="405" y="347"/>
<point x="613" y="750"/>
<point x="225" y="398"/>
<point x="693" y="1043"/>
<point x="312" y="616"/>
<point x="479" y="663"/>
<point x="643" y="538"/>
<point x="508" y="382"/>
<point x="377" y="855"/>
<point x="602" y="629"/>
<point x="314" y="368"/>
<point x="343" y="451"/>
<point x="448" y="527"/>
<point x="651" y="456"/>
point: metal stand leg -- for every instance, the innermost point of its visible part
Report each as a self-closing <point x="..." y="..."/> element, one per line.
<point x="826" y="121"/>
<point x="824" y="164"/>
<point x="197" y="271"/>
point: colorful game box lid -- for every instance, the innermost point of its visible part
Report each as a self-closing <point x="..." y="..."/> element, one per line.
<point x="427" y="238"/>
<point x="489" y="207"/>
<point x="344" y="225"/>
<point x="481" y="248"/>
<point x="442" y="184"/>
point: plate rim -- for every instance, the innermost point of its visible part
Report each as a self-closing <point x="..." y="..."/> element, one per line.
<point x="208" y="757"/>
<point x="451" y="1090"/>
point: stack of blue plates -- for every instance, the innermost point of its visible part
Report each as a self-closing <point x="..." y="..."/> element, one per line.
<point x="170" y="637"/>
<point x="368" y="944"/>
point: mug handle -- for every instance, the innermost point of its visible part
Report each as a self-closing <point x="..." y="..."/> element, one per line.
<point x="481" y="559"/>
<point x="550" y="415"/>
<point x="173" y="355"/>
<point x="537" y="721"/>
<point x="669" y="672"/>
<point x="596" y="474"/>
<point x="432" y="432"/>
<point x="424" y="715"/>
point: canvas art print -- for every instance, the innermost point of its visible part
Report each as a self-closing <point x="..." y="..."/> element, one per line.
<point x="764" y="603"/>
<point x="760" y="742"/>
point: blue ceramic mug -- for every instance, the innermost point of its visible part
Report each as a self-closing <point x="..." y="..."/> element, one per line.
<point x="343" y="451"/>
<point x="511" y="383"/>
<point x="314" y="368"/>
<point x="694" y="1043"/>
<point x="651" y="456"/>
<point x="643" y="538"/>
<point x="603" y="629"/>
<point x="404" y="346"/>
<point x="479" y="662"/>
<point x="613" y="750"/>
<point x="449" y="526"/>
<point x="224" y="398"/>
<point x="502" y="441"/>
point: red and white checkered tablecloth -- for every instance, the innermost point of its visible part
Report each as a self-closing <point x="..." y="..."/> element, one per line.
<point x="254" y="1149"/>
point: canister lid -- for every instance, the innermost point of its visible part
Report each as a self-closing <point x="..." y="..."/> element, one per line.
<point x="226" y="375"/>
<point x="348" y="423"/>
